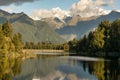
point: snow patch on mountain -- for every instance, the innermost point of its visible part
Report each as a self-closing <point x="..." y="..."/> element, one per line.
<point x="54" y="12"/>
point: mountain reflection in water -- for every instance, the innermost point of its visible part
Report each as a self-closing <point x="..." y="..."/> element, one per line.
<point x="58" y="68"/>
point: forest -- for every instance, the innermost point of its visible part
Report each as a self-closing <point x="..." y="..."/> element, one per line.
<point x="105" y="38"/>
<point x="46" y="45"/>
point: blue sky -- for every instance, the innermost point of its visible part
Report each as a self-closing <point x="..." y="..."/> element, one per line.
<point x="28" y="7"/>
<point x="41" y="4"/>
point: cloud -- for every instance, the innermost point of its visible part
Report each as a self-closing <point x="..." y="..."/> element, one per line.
<point x="8" y="9"/>
<point x="54" y="12"/>
<point x="41" y="13"/>
<point x="87" y="8"/>
<point x="69" y="37"/>
<point x="16" y="2"/>
<point x="84" y="8"/>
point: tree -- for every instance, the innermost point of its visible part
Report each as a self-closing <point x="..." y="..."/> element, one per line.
<point x="97" y="42"/>
<point x="114" y="40"/>
<point x="73" y="44"/>
<point x="2" y="38"/>
<point x="7" y="29"/>
<point x="66" y="47"/>
<point x="27" y="45"/>
<point x="104" y="27"/>
<point x="17" y="42"/>
<point x="82" y="44"/>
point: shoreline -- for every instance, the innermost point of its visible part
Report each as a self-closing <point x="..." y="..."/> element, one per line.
<point x="42" y="50"/>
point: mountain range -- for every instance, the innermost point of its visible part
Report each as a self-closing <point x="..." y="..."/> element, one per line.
<point x="31" y="30"/>
<point x="80" y="26"/>
<point x="53" y="29"/>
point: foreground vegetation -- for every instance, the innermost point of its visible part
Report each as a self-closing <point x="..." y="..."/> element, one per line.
<point x="101" y="41"/>
<point x="9" y="43"/>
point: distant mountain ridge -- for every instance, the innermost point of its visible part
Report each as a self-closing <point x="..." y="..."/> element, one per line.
<point x="31" y="30"/>
<point x="83" y="26"/>
<point x="54" y="29"/>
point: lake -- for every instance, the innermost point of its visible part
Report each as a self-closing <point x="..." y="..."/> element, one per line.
<point x="45" y="67"/>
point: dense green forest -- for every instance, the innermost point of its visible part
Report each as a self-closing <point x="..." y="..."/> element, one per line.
<point x="105" y="38"/>
<point x="9" y="42"/>
<point x="46" y="45"/>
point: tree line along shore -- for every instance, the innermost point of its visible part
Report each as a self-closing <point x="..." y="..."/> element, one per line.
<point x="101" y="41"/>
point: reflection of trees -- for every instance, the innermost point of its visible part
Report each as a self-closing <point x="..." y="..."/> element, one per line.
<point x="5" y="69"/>
<point x="17" y="67"/>
<point x="85" y="65"/>
<point x="104" y="70"/>
<point x="8" y="66"/>
<point x="96" y="68"/>
<point x="112" y="70"/>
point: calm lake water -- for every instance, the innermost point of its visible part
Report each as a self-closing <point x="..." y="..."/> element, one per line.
<point x="59" y="68"/>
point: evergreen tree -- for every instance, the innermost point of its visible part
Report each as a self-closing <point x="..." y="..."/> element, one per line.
<point x="2" y="38"/>
<point x="7" y="29"/>
<point x="97" y="42"/>
<point x="114" y="39"/>
<point x="17" y="42"/>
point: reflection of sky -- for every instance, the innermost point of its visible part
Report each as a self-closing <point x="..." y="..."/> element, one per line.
<point x="53" y="69"/>
<point x="76" y="71"/>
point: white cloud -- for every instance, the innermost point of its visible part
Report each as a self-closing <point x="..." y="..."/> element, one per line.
<point x="69" y="37"/>
<point x="87" y="8"/>
<point x="8" y="9"/>
<point x="84" y="8"/>
<point x="38" y="14"/>
<point x="117" y="10"/>
<point x="54" y="12"/>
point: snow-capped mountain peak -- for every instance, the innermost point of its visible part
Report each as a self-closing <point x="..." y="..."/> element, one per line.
<point x="59" y="13"/>
<point x="54" y="12"/>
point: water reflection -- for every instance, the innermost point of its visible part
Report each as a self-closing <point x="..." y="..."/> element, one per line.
<point x="104" y="70"/>
<point x="9" y="67"/>
<point x="97" y="69"/>
<point x="112" y="70"/>
<point x="58" y="68"/>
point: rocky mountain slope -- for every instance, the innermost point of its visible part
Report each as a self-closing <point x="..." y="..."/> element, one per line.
<point x="32" y="31"/>
<point x="79" y="27"/>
